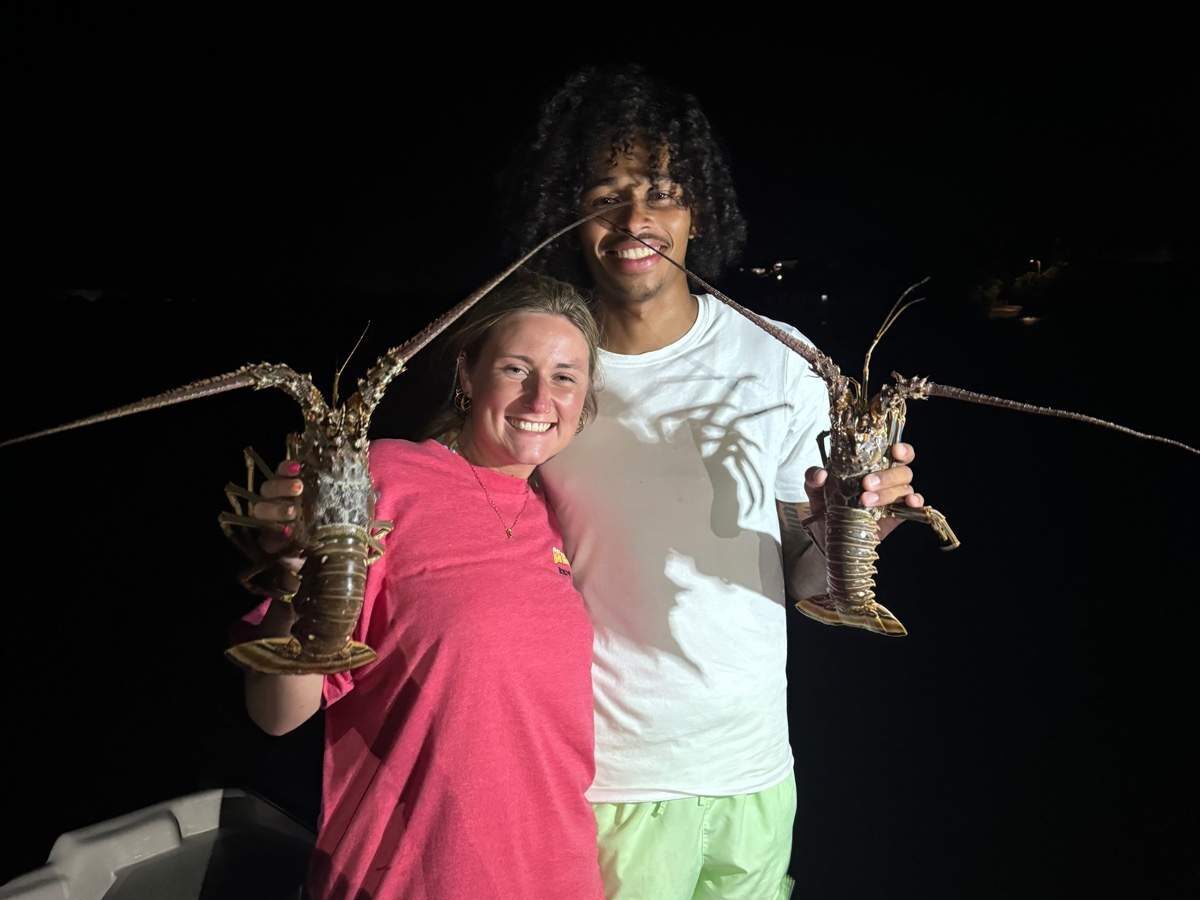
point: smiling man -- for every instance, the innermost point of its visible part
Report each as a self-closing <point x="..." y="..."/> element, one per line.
<point x="682" y="504"/>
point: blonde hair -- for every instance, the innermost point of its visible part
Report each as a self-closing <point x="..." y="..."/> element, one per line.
<point x="524" y="292"/>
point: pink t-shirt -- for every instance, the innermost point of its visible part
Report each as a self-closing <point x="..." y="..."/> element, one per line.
<point x="456" y="764"/>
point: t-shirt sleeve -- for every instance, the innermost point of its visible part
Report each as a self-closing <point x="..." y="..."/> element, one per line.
<point x="808" y="416"/>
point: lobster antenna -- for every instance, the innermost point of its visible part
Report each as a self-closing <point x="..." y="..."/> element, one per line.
<point x="956" y="393"/>
<point x="889" y="320"/>
<point x="300" y="387"/>
<point x="337" y="376"/>
<point x="827" y="369"/>
<point x="219" y="384"/>
<point x="392" y="362"/>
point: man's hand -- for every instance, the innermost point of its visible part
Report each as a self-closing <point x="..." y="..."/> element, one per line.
<point x="879" y="489"/>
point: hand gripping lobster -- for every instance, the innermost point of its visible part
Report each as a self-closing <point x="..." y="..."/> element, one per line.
<point x="335" y="529"/>
<point x="863" y="428"/>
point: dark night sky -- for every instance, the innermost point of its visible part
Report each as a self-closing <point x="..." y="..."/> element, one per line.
<point x="180" y="204"/>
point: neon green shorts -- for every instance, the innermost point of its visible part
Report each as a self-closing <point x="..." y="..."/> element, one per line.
<point x="699" y="848"/>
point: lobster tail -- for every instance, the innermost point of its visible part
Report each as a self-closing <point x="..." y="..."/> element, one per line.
<point x="339" y="536"/>
<point x="851" y="539"/>
<point x="333" y="581"/>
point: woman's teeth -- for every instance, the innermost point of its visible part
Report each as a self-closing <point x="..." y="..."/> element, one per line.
<point x="522" y="425"/>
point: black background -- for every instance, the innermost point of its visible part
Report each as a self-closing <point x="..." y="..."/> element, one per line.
<point x="188" y="196"/>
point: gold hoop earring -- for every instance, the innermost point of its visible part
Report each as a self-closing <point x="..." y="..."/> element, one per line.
<point x="462" y="400"/>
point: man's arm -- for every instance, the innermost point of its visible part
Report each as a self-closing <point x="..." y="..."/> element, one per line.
<point x="803" y="561"/>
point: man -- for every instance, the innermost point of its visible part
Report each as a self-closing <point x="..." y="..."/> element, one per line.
<point x="683" y="505"/>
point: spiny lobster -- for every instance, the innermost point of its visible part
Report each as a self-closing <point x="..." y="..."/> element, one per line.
<point x="335" y="529"/>
<point x="863" y="429"/>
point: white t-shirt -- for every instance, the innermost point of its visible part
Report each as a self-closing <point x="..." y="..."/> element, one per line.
<point x="667" y="504"/>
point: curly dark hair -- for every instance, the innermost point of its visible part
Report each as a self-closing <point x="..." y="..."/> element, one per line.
<point x="612" y="109"/>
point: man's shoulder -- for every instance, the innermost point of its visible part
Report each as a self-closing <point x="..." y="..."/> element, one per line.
<point x="726" y="320"/>
<point x="766" y="356"/>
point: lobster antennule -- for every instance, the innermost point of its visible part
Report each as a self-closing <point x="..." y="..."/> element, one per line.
<point x="932" y="389"/>
<point x="337" y="375"/>
<point x="391" y="364"/>
<point x="889" y="320"/>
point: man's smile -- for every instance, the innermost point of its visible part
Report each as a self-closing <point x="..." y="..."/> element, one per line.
<point x="631" y="257"/>
<point x="632" y="253"/>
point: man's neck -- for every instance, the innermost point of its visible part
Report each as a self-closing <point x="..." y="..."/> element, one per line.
<point x="632" y="328"/>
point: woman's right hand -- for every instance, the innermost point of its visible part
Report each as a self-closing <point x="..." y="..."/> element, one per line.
<point x="281" y="506"/>
<point x="280" y="703"/>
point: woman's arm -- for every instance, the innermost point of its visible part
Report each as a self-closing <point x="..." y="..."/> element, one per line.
<point x="280" y="703"/>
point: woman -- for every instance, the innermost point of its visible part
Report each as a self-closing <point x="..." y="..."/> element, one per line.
<point x="456" y="764"/>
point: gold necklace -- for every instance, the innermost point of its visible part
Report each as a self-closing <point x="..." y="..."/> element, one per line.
<point x="508" y="529"/>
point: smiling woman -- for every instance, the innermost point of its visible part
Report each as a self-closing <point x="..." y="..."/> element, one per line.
<point x="524" y="361"/>
<point x="456" y="764"/>
<point x="525" y="391"/>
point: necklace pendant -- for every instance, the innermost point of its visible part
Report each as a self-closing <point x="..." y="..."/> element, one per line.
<point x="492" y="503"/>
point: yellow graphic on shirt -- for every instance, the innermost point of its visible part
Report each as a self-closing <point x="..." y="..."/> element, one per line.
<point x="560" y="558"/>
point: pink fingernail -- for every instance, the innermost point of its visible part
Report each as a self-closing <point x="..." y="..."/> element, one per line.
<point x="287" y="530"/>
<point x="297" y="487"/>
<point x="293" y="468"/>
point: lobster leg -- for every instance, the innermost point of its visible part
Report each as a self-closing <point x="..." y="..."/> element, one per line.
<point x="927" y="515"/>
<point x="232" y="525"/>
<point x="242" y="516"/>
<point x="379" y="529"/>
<point x="822" y="440"/>
<point x="253" y="460"/>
